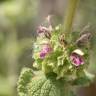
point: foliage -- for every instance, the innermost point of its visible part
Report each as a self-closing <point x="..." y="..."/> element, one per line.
<point x="52" y="55"/>
<point x="17" y="33"/>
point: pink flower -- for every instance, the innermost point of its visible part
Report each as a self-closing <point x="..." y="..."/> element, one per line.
<point x="42" y="55"/>
<point x="76" y="59"/>
<point x="46" y="49"/>
<point x="42" y="29"/>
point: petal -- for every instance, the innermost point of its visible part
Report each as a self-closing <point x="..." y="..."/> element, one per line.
<point x="42" y="55"/>
<point x="79" y="52"/>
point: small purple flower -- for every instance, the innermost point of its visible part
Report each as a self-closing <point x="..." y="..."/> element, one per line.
<point x="42" y="29"/>
<point x="46" y="49"/>
<point x="42" y="55"/>
<point x="76" y="59"/>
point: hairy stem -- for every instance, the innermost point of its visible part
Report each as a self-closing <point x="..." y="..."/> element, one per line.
<point x="69" y="16"/>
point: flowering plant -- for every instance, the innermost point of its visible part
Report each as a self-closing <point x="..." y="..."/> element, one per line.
<point x="53" y="53"/>
<point x="61" y="62"/>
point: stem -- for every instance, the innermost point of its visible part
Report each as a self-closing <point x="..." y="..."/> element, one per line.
<point x="69" y="16"/>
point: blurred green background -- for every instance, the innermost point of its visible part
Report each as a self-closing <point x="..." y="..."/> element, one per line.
<point x="18" y="22"/>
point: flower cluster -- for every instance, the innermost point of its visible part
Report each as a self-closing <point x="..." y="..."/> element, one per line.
<point x="53" y="53"/>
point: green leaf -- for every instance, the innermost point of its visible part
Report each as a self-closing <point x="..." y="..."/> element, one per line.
<point x="24" y="79"/>
<point x="45" y="86"/>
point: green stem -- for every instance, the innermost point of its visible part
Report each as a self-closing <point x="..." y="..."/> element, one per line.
<point x="69" y="16"/>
